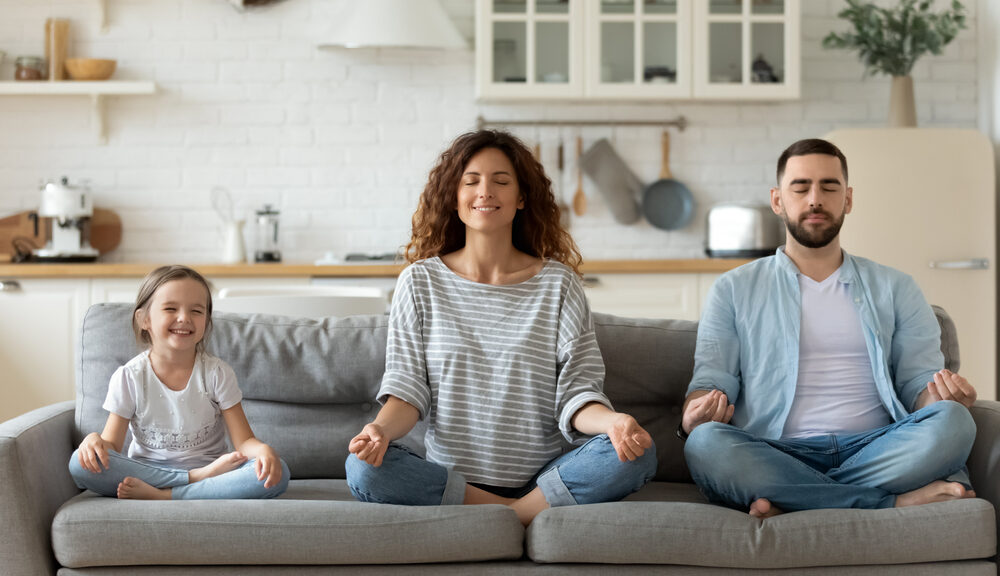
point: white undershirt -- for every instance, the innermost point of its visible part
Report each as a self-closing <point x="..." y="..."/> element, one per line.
<point x="835" y="392"/>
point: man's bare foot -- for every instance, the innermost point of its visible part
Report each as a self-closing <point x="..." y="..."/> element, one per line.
<point x="762" y="508"/>
<point x="134" y="489"/>
<point x="938" y="491"/>
<point x="221" y="465"/>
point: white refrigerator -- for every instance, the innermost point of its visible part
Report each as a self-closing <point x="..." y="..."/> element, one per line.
<point x="924" y="203"/>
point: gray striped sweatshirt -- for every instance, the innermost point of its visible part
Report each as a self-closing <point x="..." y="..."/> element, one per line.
<point x="498" y="370"/>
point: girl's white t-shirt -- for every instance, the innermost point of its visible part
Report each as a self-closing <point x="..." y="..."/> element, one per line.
<point x="179" y="428"/>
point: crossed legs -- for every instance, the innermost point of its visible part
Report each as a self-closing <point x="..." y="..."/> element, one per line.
<point x="917" y="460"/>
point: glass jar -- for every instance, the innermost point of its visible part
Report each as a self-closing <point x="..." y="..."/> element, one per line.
<point x="29" y="68"/>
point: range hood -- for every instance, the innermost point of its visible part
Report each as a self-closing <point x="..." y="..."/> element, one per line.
<point x="394" y="24"/>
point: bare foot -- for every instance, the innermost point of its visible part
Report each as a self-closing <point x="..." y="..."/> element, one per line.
<point x="938" y="491"/>
<point x="221" y="465"/>
<point x="529" y="505"/>
<point x="762" y="508"/>
<point x="134" y="489"/>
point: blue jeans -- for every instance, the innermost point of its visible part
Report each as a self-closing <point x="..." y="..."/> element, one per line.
<point x="865" y="470"/>
<point x="236" y="484"/>
<point x="589" y="474"/>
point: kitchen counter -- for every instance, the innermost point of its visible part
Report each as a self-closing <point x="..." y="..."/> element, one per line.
<point x="292" y="269"/>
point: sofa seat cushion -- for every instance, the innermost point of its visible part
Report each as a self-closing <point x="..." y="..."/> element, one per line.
<point x="684" y="530"/>
<point x="314" y="522"/>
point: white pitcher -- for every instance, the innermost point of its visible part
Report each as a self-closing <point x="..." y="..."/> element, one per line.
<point x="233" y="249"/>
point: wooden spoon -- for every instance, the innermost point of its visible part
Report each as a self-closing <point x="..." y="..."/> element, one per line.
<point x="579" y="200"/>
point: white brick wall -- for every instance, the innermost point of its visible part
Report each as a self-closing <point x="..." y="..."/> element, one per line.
<point x="342" y="141"/>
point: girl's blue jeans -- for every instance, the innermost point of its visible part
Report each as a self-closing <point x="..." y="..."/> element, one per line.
<point x="865" y="470"/>
<point x="589" y="474"/>
<point x="241" y="483"/>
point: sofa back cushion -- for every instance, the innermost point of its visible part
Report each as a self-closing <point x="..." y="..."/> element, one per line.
<point x="309" y="385"/>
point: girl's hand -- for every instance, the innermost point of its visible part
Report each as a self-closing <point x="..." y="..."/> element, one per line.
<point x="94" y="452"/>
<point x="268" y="466"/>
<point x="370" y="445"/>
<point x="629" y="439"/>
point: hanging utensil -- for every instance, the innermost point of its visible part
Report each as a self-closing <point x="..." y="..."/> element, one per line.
<point x="579" y="200"/>
<point x="667" y="203"/>
<point x="560" y="200"/>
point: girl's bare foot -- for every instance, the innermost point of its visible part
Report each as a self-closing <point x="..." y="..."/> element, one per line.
<point x="221" y="465"/>
<point x="762" y="508"/>
<point x="134" y="489"/>
<point x="938" y="491"/>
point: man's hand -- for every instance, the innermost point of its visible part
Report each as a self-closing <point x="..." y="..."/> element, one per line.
<point x="370" y="445"/>
<point x="948" y="385"/>
<point x="629" y="439"/>
<point x="711" y="407"/>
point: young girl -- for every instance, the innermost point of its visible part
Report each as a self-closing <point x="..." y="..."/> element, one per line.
<point x="491" y="340"/>
<point x="175" y="398"/>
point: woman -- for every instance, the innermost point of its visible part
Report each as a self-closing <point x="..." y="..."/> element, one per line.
<point x="491" y="340"/>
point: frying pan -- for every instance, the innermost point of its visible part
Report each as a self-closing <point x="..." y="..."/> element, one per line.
<point x="666" y="203"/>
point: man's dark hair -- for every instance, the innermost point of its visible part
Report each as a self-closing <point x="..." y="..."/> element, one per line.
<point x="811" y="146"/>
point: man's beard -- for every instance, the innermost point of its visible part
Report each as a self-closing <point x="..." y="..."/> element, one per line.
<point x="816" y="237"/>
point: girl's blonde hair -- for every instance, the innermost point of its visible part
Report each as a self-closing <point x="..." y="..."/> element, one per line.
<point x="437" y="229"/>
<point x="151" y="284"/>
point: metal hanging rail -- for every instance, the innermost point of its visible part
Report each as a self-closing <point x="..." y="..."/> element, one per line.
<point x="680" y="122"/>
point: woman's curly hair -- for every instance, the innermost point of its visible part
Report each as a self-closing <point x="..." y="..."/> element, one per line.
<point x="437" y="229"/>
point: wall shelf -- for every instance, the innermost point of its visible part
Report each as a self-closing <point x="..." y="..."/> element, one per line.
<point x="96" y="90"/>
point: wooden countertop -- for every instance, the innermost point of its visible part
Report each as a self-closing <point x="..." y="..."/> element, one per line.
<point x="292" y="269"/>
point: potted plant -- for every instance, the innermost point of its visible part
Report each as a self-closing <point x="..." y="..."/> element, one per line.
<point x="891" y="40"/>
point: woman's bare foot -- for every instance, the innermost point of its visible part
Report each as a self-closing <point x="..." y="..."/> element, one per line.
<point x="938" y="491"/>
<point x="529" y="505"/>
<point x="762" y="508"/>
<point x="134" y="489"/>
<point x="221" y="465"/>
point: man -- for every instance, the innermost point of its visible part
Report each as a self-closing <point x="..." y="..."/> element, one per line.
<point x="818" y="378"/>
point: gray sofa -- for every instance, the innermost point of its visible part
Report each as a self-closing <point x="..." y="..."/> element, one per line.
<point x="308" y="388"/>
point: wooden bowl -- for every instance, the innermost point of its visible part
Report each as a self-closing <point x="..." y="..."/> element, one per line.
<point x="90" y="68"/>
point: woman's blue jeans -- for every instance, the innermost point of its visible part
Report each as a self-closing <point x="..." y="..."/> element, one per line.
<point x="241" y="483"/>
<point x="865" y="470"/>
<point x="589" y="474"/>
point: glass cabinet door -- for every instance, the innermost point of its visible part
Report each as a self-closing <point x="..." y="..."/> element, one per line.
<point x="527" y="49"/>
<point x="638" y="48"/>
<point x="746" y="48"/>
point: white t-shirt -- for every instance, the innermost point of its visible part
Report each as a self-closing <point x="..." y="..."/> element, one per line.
<point x="182" y="428"/>
<point x="835" y="392"/>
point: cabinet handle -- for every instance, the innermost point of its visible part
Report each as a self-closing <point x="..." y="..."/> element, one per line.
<point x="10" y="286"/>
<point x="973" y="264"/>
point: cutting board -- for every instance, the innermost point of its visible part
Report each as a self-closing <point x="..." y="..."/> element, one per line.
<point x="105" y="232"/>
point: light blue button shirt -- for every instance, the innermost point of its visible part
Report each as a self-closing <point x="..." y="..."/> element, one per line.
<point x="748" y="338"/>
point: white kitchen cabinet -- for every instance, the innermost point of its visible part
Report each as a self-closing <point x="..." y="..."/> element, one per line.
<point x="529" y="49"/>
<point x="637" y="50"/>
<point x="746" y="49"/>
<point x="644" y="295"/>
<point x="41" y="321"/>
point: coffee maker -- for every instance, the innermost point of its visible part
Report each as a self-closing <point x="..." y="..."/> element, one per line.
<point x="69" y="209"/>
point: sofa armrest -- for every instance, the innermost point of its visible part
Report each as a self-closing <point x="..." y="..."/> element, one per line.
<point x="34" y="454"/>
<point x="984" y="461"/>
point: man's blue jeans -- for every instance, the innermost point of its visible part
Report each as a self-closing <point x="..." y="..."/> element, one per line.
<point x="866" y="470"/>
<point x="241" y="483"/>
<point x="589" y="474"/>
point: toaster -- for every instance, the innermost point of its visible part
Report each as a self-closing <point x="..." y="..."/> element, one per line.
<point x="740" y="230"/>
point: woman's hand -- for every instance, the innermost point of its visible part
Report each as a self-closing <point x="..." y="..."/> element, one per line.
<point x="629" y="439"/>
<point x="370" y="445"/>
<point x="267" y="466"/>
<point x="94" y="452"/>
